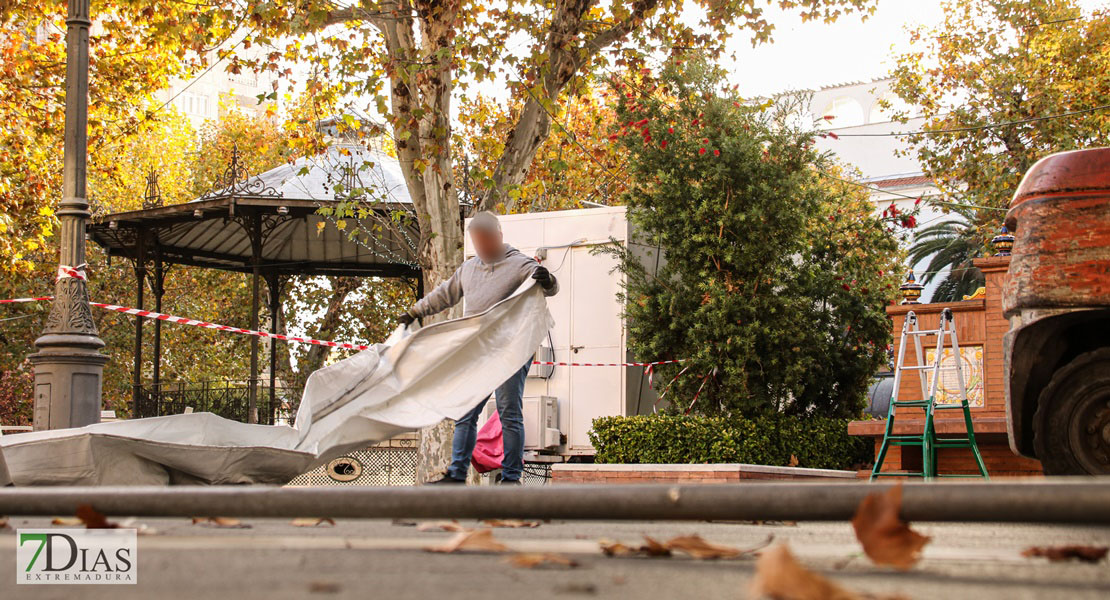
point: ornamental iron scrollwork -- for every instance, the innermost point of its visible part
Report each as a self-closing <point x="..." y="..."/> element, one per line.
<point x="236" y="182"/>
<point x="260" y="230"/>
<point x="350" y="183"/>
<point x="228" y="399"/>
<point x="152" y="198"/>
<point x="125" y="238"/>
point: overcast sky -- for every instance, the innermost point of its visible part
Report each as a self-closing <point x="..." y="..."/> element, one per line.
<point x="815" y="54"/>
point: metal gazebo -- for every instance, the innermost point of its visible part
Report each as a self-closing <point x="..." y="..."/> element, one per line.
<point x="275" y="225"/>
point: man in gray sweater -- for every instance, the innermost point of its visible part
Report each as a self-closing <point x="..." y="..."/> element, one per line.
<point x="496" y="271"/>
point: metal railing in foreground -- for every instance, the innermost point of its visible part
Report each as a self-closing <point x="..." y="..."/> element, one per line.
<point x="1060" y="500"/>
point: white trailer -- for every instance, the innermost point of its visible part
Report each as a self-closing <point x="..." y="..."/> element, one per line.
<point x="561" y="402"/>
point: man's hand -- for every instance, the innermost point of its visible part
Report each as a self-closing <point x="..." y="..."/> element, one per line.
<point x="543" y="276"/>
<point x="406" y="318"/>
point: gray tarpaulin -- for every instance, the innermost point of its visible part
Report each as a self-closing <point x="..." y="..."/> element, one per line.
<point x="413" y="380"/>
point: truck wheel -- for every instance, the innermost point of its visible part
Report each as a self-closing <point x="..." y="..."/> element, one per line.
<point x="1071" y="428"/>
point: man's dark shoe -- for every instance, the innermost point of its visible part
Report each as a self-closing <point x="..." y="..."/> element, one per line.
<point x="448" y="480"/>
<point x="509" y="482"/>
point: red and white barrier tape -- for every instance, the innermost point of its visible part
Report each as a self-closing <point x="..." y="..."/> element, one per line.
<point x="149" y="314"/>
<point x="65" y="271"/>
<point x="10" y="300"/>
<point x="628" y="364"/>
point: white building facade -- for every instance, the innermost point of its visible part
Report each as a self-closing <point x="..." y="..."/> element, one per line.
<point x="212" y="93"/>
<point x="863" y="127"/>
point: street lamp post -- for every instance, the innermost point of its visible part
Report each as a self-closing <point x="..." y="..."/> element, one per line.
<point x="68" y="366"/>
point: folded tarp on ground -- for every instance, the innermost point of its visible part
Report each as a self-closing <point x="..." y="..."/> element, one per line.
<point x="413" y="380"/>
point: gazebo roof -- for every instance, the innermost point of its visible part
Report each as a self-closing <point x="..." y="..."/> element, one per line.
<point x="275" y="220"/>
<point x="334" y="173"/>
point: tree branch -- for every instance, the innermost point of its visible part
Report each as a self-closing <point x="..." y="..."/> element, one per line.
<point x="565" y="60"/>
<point x="348" y="14"/>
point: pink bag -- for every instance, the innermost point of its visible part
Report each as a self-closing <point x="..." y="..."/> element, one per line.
<point x="489" y="449"/>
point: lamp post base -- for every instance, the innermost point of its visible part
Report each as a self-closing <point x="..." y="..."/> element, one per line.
<point x="67" y="387"/>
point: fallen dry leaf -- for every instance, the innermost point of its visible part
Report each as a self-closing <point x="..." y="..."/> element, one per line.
<point x="697" y="547"/>
<point x="793" y="461"/>
<point x="778" y="575"/>
<point x="66" y="521"/>
<point x="611" y="548"/>
<point x="692" y="545"/>
<point x="512" y="523"/>
<point x="226" y="522"/>
<point x="652" y="547"/>
<point x="313" y="522"/>
<point x="885" y="537"/>
<point x="140" y="528"/>
<point x="478" y="540"/>
<point x="3" y="522"/>
<point x="542" y="559"/>
<point x="323" y="587"/>
<point x="441" y="526"/>
<point x="93" y="519"/>
<point x="1091" y="554"/>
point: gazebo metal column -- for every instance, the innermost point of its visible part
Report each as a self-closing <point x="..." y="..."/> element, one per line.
<point x="140" y="284"/>
<point x="158" y="287"/>
<point x="142" y="239"/>
<point x="69" y="368"/>
<point x="255" y="230"/>
<point x="273" y="284"/>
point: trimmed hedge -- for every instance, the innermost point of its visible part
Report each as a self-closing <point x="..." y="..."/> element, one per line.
<point x="816" y="442"/>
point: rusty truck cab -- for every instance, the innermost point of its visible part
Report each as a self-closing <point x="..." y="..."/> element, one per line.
<point x="1057" y="297"/>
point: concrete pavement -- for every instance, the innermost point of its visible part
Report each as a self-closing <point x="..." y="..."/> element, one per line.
<point x="382" y="559"/>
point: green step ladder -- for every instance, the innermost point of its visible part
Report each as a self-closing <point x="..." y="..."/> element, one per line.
<point x="928" y="440"/>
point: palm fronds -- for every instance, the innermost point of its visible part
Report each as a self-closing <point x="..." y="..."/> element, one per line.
<point x="950" y="244"/>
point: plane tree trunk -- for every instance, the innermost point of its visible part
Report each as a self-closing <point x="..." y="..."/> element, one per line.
<point x="420" y="75"/>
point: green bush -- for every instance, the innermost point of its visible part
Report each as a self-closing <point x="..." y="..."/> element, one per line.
<point x="816" y="442"/>
<point x="776" y="278"/>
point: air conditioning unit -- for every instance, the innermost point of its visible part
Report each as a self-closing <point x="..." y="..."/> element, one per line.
<point x="541" y="422"/>
<point x="543" y="354"/>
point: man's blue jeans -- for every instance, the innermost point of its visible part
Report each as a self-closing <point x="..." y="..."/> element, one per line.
<point x="510" y="406"/>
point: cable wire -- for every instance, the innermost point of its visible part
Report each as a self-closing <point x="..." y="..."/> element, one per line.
<point x="907" y="196"/>
<point x="977" y="127"/>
